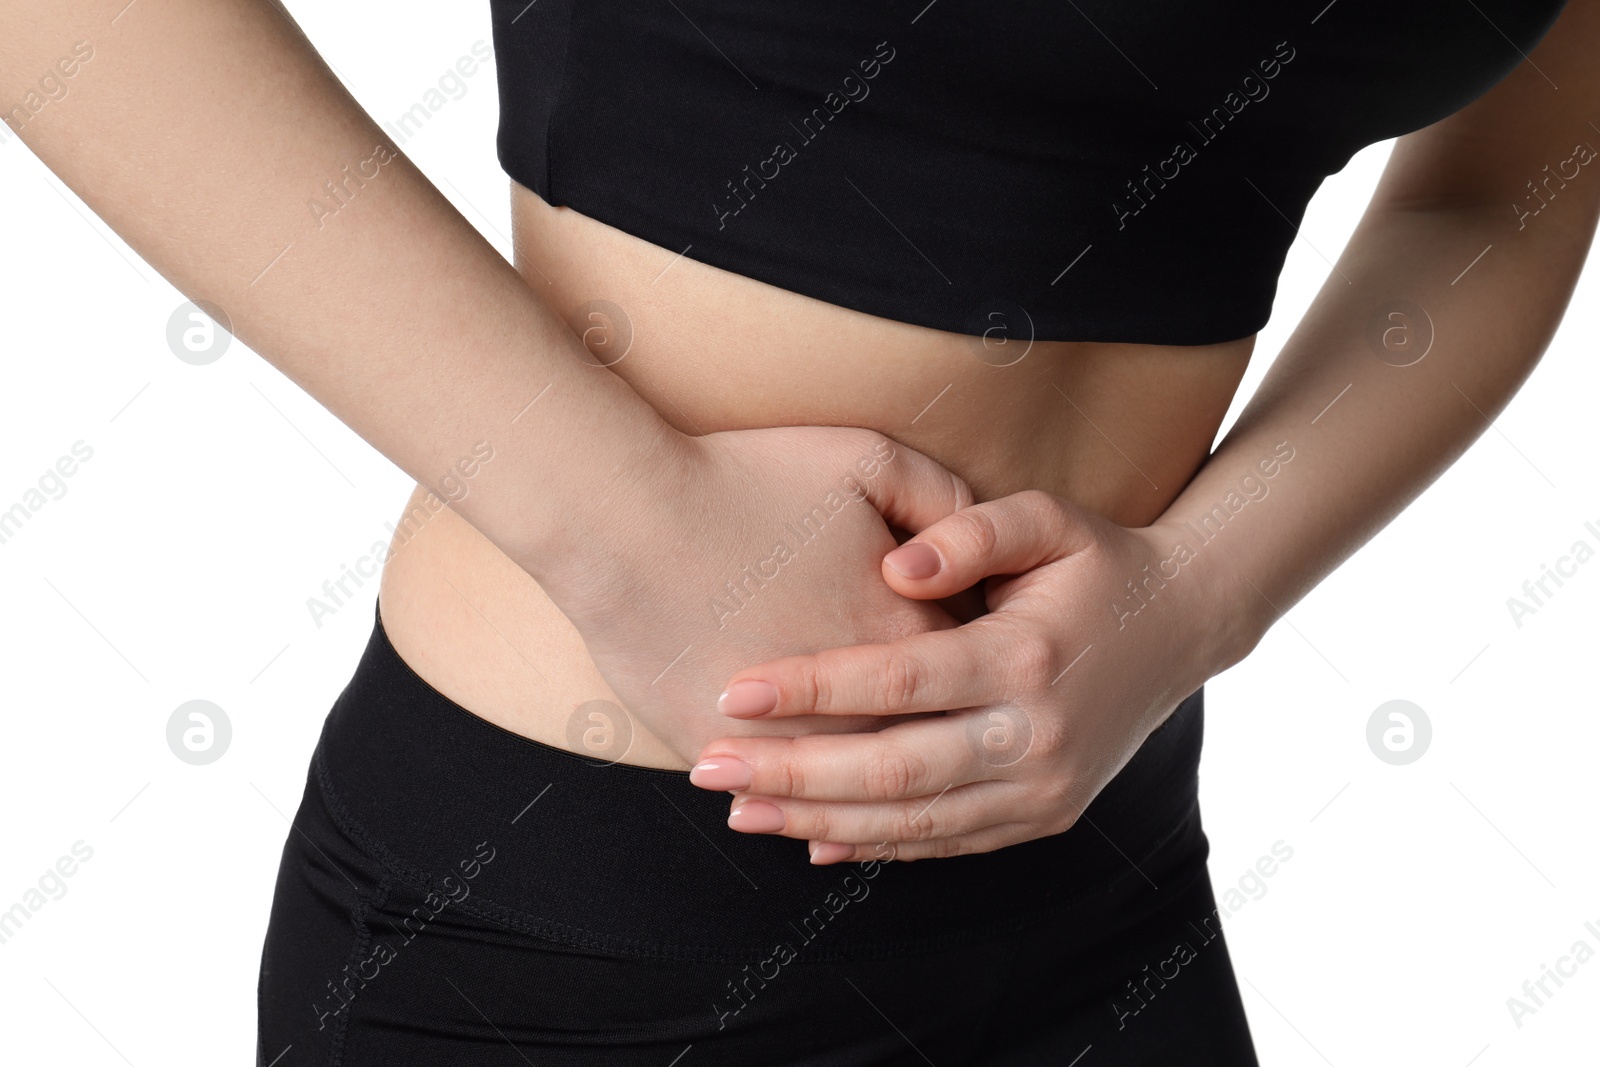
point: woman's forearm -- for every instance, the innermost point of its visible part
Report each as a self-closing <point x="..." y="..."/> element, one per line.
<point x="1345" y="431"/>
<point x="1438" y="309"/>
<point x="212" y="138"/>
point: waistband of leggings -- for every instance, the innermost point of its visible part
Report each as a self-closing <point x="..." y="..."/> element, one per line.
<point x="636" y="861"/>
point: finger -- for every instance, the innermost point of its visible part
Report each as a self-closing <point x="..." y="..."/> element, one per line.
<point x="987" y="839"/>
<point x="906" y="760"/>
<point x="947" y="813"/>
<point x="1010" y="535"/>
<point x="989" y="660"/>
<point x="909" y="489"/>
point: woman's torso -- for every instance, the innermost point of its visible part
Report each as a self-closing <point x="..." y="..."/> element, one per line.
<point x="923" y="159"/>
<point x="1116" y="428"/>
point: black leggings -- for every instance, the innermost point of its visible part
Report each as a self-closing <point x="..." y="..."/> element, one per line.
<point x="452" y="893"/>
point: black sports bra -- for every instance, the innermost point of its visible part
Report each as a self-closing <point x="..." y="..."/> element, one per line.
<point x="1103" y="170"/>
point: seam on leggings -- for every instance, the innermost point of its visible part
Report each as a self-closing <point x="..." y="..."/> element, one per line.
<point x="577" y="937"/>
<point x="358" y="947"/>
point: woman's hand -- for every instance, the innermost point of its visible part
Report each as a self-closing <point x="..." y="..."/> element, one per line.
<point x="1095" y="634"/>
<point x="745" y="546"/>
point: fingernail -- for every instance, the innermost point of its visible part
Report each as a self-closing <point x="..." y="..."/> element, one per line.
<point x="915" y="560"/>
<point x="745" y="700"/>
<point x="724" y="772"/>
<point x="831" y="852"/>
<point x="756" y="817"/>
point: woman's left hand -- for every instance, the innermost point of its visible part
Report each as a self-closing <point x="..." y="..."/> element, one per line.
<point x="1095" y="633"/>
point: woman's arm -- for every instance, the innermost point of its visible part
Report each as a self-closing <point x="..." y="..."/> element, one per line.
<point x="1103" y="630"/>
<point x="1455" y="230"/>
<point x="213" y="139"/>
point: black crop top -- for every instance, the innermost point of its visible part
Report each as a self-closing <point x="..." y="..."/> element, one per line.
<point x="1104" y="170"/>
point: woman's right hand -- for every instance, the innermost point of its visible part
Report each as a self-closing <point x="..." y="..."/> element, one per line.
<point x="745" y="546"/>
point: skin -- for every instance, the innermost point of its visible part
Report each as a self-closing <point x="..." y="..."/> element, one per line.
<point x="561" y="576"/>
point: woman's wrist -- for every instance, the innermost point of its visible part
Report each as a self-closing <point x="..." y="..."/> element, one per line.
<point x="566" y="519"/>
<point x="1207" y="589"/>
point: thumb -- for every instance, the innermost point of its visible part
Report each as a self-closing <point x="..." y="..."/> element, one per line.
<point x="1010" y="535"/>
<point x="910" y="490"/>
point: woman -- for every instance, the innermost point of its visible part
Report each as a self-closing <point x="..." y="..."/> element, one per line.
<point x="996" y="274"/>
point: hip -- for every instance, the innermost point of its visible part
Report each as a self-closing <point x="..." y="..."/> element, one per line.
<point x="409" y="774"/>
<point x="577" y="904"/>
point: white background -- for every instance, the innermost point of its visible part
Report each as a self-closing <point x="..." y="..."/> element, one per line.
<point x="219" y="498"/>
